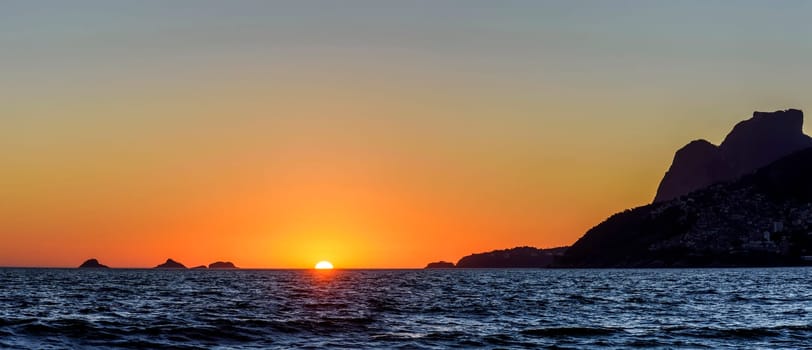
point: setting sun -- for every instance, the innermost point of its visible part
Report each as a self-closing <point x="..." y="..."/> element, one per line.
<point x="324" y="265"/>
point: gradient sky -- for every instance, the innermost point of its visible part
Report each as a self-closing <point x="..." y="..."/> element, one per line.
<point x="367" y="133"/>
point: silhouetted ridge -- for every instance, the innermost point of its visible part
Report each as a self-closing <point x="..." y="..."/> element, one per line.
<point x="761" y="219"/>
<point x="518" y="257"/>
<point x="92" y="263"/>
<point x="751" y="144"/>
<point x="170" y="264"/>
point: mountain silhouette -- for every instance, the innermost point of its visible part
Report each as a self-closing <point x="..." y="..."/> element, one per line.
<point x="92" y="263"/>
<point x="761" y="219"/>
<point x="170" y="264"/>
<point x="752" y="144"/>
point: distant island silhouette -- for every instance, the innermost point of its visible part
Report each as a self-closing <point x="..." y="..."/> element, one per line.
<point x="92" y="264"/>
<point x="168" y="264"/>
<point x="440" y="265"/>
<point x="222" y="265"/>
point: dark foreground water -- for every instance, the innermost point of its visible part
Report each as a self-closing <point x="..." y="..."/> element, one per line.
<point x="705" y="308"/>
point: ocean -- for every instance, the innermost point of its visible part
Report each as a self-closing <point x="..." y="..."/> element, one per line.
<point x="407" y="309"/>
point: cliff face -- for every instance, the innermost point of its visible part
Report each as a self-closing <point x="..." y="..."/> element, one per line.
<point x="764" y="139"/>
<point x="697" y="165"/>
<point x="751" y="144"/>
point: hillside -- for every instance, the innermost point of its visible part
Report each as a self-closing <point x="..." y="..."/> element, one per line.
<point x="762" y="219"/>
<point x="519" y="257"/>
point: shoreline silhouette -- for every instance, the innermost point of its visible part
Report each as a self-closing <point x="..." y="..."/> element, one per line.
<point x="743" y="203"/>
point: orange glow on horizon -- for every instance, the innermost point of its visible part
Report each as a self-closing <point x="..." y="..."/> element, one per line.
<point x="360" y="207"/>
<point x="324" y="265"/>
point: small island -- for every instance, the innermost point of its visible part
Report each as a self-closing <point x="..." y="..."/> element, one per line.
<point x="199" y="267"/>
<point x="170" y="264"/>
<point x="440" y="265"/>
<point x="222" y="265"/>
<point x="92" y="264"/>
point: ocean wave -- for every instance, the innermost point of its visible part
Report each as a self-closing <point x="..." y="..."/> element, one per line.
<point x="571" y="331"/>
<point x="736" y="332"/>
<point x="41" y="308"/>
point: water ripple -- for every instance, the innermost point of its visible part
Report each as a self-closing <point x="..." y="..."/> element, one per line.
<point x="409" y="309"/>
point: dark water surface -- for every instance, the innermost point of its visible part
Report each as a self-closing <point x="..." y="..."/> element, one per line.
<point x="690" y="308"/>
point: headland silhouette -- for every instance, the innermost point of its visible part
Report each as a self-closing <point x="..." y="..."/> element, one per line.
<point x="746" y="202"/>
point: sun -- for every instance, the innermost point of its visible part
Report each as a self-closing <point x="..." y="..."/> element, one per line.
<point x="324" y="265"/>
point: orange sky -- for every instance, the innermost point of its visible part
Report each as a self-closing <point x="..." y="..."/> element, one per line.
<point x="370" y="136"/>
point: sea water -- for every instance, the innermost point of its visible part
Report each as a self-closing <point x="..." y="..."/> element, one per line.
<point x="431" y="309"/>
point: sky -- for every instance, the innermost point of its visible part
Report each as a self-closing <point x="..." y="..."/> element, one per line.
<point x="373" y="134"/>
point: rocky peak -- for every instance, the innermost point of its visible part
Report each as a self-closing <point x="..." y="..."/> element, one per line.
<point x="697" y="152"/>
<point x="697" y="165"/>
<point x="762" y="139"/>
<point x="791" y="120"/>
<point x="752" y="144"/>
